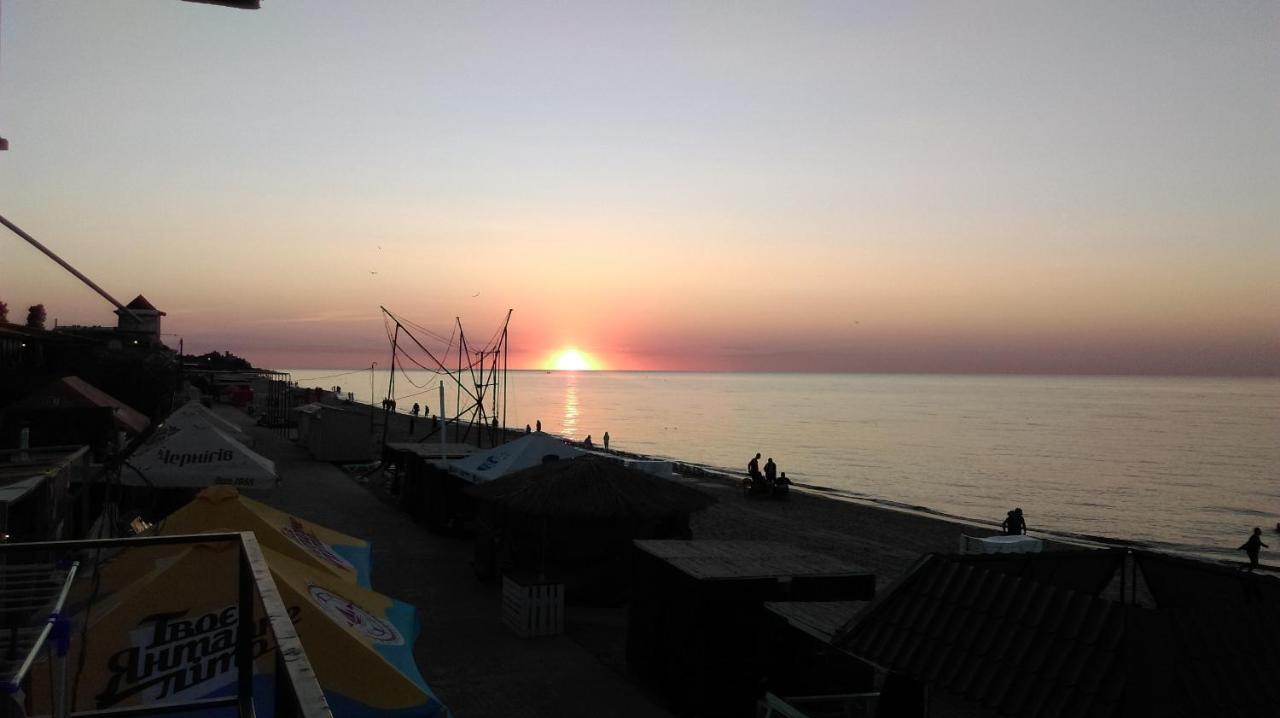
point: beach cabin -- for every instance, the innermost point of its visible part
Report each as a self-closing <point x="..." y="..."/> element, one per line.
<point x="427" y="491"/>
<point x="574" y="520"/>
<point x="1108" y="632"/>
<point x="71" y="411"/>
<point x="696" y="617"/>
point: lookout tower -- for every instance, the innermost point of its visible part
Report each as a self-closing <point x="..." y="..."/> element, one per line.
<point x="148" y="318"/>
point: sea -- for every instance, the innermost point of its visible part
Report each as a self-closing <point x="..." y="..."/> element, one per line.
<point x="1189" y="465"/>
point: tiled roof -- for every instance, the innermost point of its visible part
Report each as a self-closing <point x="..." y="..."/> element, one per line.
<point x="1032" y="635"/>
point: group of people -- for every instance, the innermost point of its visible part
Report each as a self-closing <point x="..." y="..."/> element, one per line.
<point x="1014" y="524"/>
<point x="767" y="482"/>
<point x="588" y="444"/>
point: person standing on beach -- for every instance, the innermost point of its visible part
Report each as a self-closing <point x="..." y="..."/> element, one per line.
<point x="606" y="441"/>
<point x="770" y="471"/>
<point x="753" y="467"/>
<point x="539" y="425"/>
<point x="1252" y="547"/>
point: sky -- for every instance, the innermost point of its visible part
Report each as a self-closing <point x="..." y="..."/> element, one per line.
<point x="1085" y="187"/>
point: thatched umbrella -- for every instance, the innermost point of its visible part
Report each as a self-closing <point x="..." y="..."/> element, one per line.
<point x="594" y="506"/>
<point x="590" y="487"/>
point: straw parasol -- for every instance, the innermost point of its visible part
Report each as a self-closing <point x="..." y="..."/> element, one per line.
<point x="590" y="488"/>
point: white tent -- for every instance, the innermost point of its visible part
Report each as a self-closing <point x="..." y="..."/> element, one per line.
<point x="512" y="456"/>
<point x="1000" y="544"/>
<point x="193" y="413"/>
<point x="199" y="455"/>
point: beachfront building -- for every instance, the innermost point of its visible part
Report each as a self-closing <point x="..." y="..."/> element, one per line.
<point x="1078" y="633"/>
<point x="142" y="318"/>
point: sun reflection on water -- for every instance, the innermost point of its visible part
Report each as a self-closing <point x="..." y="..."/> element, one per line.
<point x="569" y="426"/>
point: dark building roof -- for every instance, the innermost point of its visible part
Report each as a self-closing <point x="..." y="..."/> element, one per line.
<point x="140" y="302"/>
<point x="1093" y="633"/>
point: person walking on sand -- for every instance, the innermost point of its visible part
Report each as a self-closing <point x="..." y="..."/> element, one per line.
<point x="753" y="467"/>
<point x="1251" y="547"/>
<point x="606" y="441"/>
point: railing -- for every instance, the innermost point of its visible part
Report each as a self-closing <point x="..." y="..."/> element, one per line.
<point x="298" y="696"/>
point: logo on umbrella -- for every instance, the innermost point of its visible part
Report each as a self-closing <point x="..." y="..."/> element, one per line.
<point x="354" y="616"/>
<point x="311" y="543"/>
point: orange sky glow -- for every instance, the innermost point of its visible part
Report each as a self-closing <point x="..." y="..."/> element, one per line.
<point x="836" y="187"/>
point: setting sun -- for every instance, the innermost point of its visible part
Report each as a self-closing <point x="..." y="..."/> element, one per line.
<point x="571" y="360"/>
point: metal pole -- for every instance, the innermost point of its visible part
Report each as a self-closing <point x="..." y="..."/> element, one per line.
<point x="391" y="386"/>
<point x="371" y="368"/>
<point x="49" y="253"/>
<point x="244" y="637"/>
<point x="443" y="426"/>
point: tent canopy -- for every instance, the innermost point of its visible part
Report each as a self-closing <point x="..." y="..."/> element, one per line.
<point x="528" y="450"/>
<point x="199" y="455"/>
<point x="222" y="508"/>
<point x="591" y="487"/>
<point x="193" y="412"/>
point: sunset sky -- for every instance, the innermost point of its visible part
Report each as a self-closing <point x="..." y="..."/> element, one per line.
<point x="846" y="186"/>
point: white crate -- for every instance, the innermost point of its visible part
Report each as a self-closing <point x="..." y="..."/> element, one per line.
<point x="534" y="608"/>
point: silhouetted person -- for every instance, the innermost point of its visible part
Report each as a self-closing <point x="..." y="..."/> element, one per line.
<point x="587" y="443"/>
<point x="606" y="441"/>
<point x="753" y="467"/>
<point x="495" y="422"/>
<point x="528" y="429"/>
<point x="770" y="471"/>
<point x="1252" y="546"/>
<point x="1014" y="524"/>
<point x="539" y="425"/>
<point x="413" y="415"/>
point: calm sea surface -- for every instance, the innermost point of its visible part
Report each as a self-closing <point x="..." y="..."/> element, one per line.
<point x="1182" y="464"/>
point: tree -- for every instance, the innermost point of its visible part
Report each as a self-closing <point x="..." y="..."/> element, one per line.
<point x="36" y="316"/>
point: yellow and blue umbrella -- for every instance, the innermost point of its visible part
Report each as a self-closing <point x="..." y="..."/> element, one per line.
<point x="164" y="623"/>
<point x="222" y="508"/>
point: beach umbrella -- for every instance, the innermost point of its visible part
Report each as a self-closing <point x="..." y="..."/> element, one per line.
<point x="591" y="487"/>
<point x="223" y="508"/>
<point x="197" y="414"/>
<point x="198" y="455"/>
<point x="163" y="629"/>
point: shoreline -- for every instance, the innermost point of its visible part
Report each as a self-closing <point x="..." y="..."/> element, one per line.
<point x="906" y="519"/>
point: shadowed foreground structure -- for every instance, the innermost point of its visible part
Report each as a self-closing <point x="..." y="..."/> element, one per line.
<point x="1084" y="633"/>
<point x="575" y="519"/>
